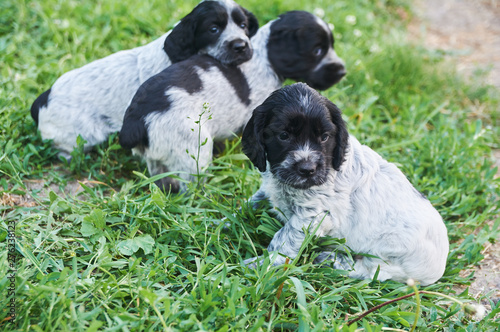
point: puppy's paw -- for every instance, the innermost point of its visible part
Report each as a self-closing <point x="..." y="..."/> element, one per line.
<point x="258" y="199"/>
<point x="225" y="221"/>
<point x="276" y="259"/>
<point x="253" y="262"/>
<point x="64" y="155"/>
<point x="340" y="261"/>
<point x="168" y="185"/>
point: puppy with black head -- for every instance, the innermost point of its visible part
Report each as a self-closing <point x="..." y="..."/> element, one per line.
<point x="159" y="124"/>
<point x="322" y="179"/>
<point x="91" y="101"/>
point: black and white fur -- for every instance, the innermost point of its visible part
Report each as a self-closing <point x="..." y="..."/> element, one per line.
<point x="321" y="178"/>
<point x="159" y="125"/>
<point x="90" y="101"/>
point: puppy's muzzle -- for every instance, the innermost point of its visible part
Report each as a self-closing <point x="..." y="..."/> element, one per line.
<point x="238" y="45"/>
<point x="338" y="70"/>
<point x="237" y="51"/>
<point x="306" y="168"/>
<point x="302" y="169"/>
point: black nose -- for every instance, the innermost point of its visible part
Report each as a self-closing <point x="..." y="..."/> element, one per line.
<point x="306" y="169"/>
<point x="238" y="45"/>
<point x="339" y="70"/>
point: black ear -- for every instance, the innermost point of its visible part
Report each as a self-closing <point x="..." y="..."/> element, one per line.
<point x="133" y="132"/>
<point x="179" y="44"/>
<point x="41" y="101"/>
<point x="252" y="139"/>
<point x="253" y="23"/>
<point x="341" y="136"/>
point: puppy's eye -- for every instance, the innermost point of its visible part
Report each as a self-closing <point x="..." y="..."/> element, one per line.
<point x="324" y="137"/>
<point x="243" y="25"/>
<point x="318" y="51"/>
<point x="284" y="136"/>
<point x="214" y="29"/>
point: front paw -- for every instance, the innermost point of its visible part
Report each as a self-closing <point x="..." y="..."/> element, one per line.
<point x="340" y="261"/>
<point x="253" y="262"/>
<point x="275" y="259"/>
<point x="167" y="185"/>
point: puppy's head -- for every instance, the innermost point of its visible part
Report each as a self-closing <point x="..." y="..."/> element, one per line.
<point x="299" y="134"/>
<point x="300" y="47"/>
<point x="219" y="28"/>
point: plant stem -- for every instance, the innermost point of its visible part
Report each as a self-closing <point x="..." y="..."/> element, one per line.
<point x="417" y="311"/>
<point x="364" y="314"/>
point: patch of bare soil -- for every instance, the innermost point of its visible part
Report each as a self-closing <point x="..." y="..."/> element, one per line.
<point x="468" y="32"/>
<point x="38" y="189"/>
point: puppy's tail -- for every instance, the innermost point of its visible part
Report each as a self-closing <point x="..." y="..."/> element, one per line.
<point x="40" y="102"/>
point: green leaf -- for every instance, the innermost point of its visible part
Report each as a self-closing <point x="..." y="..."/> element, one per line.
<point x="145" y="242"/>
<point x="127" y="247"/>
<point x="130" y="246"/>
<point x="88" y="228"/>
<point x="98" y="219"/>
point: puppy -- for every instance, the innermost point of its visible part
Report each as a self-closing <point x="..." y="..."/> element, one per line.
<point x="159" y="124"/>
<point x="322" y="179"/>
<point x="90" y="101"/>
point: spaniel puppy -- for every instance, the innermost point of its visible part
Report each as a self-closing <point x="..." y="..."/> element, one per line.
<point x="90" y="101"/>
<point x="323" y="180"/>
<point x="159" y="124"/>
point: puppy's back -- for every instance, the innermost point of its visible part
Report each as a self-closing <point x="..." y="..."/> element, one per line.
<point x="152" y="97"/>
<point x="157" y="94"/>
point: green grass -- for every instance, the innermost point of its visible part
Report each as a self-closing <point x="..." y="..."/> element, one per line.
<point x="123" y="256"/>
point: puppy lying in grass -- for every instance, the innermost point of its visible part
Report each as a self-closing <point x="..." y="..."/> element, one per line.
<point x="322" y="179"/>
<point x="91" y="101"/>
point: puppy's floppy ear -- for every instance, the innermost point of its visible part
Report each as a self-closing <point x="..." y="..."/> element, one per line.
<point x="179" y="44"/>
<point x="133" y="132"/>
<point x="341" y="135"/>
<point x="252" y="139"/>
<point x="253" y="23"/>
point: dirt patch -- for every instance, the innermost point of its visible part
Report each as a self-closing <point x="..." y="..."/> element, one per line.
<point x="466" y="30"/>
<point x="468" y="33"/>
<point x="38" y="190"/>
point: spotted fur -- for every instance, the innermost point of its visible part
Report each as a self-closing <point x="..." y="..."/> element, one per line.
<point x="159" y="124"/>
<point x="322" y="179"/>
<point x="91" y="101"/>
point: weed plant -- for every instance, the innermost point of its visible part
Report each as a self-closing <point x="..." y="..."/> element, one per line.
<point x="120" y="255"/>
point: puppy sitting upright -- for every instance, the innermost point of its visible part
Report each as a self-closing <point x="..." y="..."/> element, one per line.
<point x="90" y="101"/>
<point x="159" y="124"/>
<point x="323" y="179"/>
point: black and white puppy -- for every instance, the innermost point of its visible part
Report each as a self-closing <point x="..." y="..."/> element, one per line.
<point x="322" y="179"/>
<point x="159" y="124"/>
<point x="90" y="101"/>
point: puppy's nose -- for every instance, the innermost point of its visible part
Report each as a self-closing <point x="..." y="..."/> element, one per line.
<point x="238" y="45"/>
<point x="339" y="69"/>
<point x="306" y="168"/>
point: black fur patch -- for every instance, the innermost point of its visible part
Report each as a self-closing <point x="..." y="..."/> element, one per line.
<point x="253" y="23"/>
<point x="150" y="97"/>
<point x="193" y="31"/>
<point x="40" y="102"/>
<point x="283" y="111"/>
<point x="297" y="44"/>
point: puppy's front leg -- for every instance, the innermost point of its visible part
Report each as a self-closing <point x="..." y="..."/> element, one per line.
<point x="287" y="241"/>
<point x="256" y="198"/>
<point x="166" y="184"/>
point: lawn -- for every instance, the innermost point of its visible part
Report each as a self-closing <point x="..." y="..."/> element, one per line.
<point x="98" y="246"/>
